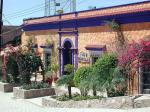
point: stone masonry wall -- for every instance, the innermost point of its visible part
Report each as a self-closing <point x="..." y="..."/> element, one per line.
<point x="93" y="35"/>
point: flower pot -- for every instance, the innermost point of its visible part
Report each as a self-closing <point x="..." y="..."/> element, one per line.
<point x="49" y="80"/>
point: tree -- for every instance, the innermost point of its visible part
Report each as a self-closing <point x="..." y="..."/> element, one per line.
<point x="67" y="78"/>
<point x="136" y="55"/>
<point x="28" y="63"/>
<point x="12" y="68"/>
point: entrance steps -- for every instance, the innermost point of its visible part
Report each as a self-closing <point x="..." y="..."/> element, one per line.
<point x="146" y="91"/>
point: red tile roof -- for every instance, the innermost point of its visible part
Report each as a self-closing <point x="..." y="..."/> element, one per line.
<point x="123" y="9"/>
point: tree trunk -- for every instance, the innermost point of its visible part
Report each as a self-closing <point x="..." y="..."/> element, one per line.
<point x="121" y="42"/>
<point x="94" y="91"/>
<point x="69" y="92"/>
<point x="43" y="74"/>
<point x="35" y="77"/>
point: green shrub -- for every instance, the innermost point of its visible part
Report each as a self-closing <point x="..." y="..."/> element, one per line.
<point x="35" y="85"/>
<point x="76" y="97"/>
<point x="119" y="87"/>
<point x="68" y="69"/>
<point x="79" y="98"/>
<point x="12" y="70"/>
<point x="61" y="98"/>
<point x="67" y="78"/>
<point x="54" y="68"/>
<point x="81" y="74"/>
<point x="81" y="80"/>
<point x="28" y="64"/>
<point x="103" y="70"/>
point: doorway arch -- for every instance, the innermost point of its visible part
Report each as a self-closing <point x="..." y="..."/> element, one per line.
<point x="67" y="52"/>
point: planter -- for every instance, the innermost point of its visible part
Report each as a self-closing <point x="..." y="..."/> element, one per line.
<point x="33" y="93"/>
<point x="115" y="103"/>
<point x="6" y="87"/>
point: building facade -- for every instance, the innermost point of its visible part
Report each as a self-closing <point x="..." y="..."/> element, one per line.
<point x="81" y="37"/>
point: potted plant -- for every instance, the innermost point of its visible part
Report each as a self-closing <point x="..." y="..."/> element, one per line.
<point x="48" y="76"/>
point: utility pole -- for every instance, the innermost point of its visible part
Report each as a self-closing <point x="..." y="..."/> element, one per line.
<point x="73" y="6"/>
<point x="1" y="24"/>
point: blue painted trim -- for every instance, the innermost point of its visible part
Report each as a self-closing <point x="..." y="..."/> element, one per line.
<point x="68" y="39"/>
<point x="46" y="47"/>
<point x="137" y="17"/>
<point x="90" y="10"/>
<point x="72" y="45"/>
<point x="95" y="49"/>
<point x="68" y="32"/>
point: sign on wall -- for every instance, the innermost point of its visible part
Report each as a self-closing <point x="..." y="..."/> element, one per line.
<point x="83" y="57"/>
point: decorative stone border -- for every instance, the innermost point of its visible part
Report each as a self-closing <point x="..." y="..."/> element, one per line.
<point x="6" y="87"/>
<point x="33" y="93"/>
<point x="115" y="102"/>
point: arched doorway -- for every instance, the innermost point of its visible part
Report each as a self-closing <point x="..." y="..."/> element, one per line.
<point x="67" y="53"/>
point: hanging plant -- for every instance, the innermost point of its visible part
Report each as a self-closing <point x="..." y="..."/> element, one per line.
<point x="113" y="25"/>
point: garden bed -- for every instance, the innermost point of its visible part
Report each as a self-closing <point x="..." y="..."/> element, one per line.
<point x="6" y="87"/>
<point x="18" y="92"/>
<point x="124" y="102"/>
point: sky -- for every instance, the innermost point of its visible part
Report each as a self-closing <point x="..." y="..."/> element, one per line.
<point x="14" y="10"/>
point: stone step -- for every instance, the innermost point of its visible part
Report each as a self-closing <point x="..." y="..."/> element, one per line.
<point x="146" y="86"/>
<point x="146" y="91"/>
<point x="142" y="102"/>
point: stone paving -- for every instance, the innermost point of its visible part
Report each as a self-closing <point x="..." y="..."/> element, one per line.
<point x="9" y="104"/>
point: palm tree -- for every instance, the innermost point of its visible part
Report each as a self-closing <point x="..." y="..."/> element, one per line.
<point x="67" y="78"/>
<point x="115" y="27"/>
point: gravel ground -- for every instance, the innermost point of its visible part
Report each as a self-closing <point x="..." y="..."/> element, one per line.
<point x="9" y="104"/>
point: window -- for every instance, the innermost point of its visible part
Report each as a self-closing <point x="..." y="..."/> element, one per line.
<point x="94" y="59"/>
<point x="47" y="60"/>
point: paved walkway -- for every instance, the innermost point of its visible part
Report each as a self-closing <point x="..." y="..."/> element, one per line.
<point x="9" y="104"/>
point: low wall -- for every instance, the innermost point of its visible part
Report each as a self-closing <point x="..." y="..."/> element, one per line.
<point x="115" y="102"/>
<point x="6" y="87"/>
<point x="33" y="93"/>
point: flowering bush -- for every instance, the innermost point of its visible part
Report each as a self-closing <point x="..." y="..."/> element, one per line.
<point x="136" y="52"/>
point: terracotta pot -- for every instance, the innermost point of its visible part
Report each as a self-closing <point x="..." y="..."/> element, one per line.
<point x="49" y="80"/>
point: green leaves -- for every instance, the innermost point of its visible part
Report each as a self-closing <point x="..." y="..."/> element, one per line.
<point x="66" y="80"/>
<point x="68" y="69"/>
<point x="81" y="74"/>
<point x="28" y="63"/>
<point x="35" y="85"/>
<point x="113" y="25"/>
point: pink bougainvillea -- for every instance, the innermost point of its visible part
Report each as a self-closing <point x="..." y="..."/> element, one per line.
<point x="136" y="51"/>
